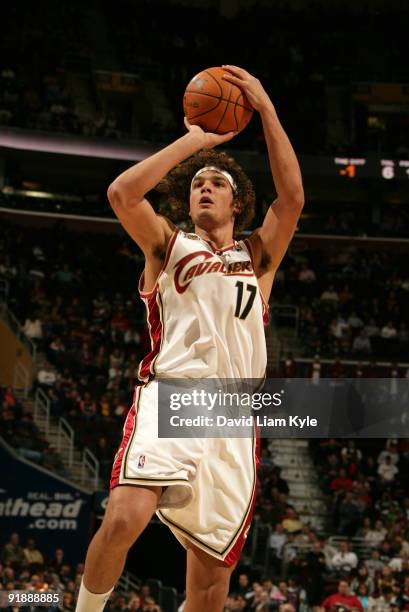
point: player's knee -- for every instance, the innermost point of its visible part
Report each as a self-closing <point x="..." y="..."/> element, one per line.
<point x="119" y="530"/>
<point x="213" y="593"/>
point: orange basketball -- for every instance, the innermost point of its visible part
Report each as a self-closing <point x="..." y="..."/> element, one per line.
<point x="216" y="105"/>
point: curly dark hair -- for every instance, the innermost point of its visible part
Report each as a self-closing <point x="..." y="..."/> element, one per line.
<point x="176" y="186"/>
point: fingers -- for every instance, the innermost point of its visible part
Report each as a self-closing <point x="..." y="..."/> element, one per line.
<point x="232" y="79"/>
<point x="236" y="71"/>
<point x="187" y="124"/>
<point x="227" y="137"/>
<point x="217" y="139"/>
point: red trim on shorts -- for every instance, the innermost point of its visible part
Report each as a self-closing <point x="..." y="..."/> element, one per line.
<point x="127" y="432"/>
<point x="234" y="554"/>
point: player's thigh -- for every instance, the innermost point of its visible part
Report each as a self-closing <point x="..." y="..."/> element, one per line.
<point x="129" y="510"/>
<point x="204" y="571"/>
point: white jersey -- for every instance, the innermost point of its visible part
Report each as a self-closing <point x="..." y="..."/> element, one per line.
<point x="205" y="313"/>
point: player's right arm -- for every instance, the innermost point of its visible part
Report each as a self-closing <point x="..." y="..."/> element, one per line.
<point x="126" y="194"/>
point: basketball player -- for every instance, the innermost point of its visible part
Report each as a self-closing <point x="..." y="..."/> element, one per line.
<point x="205" y="295"/>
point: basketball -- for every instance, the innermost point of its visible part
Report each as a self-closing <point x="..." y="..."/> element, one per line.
<point x="216" y="105"/>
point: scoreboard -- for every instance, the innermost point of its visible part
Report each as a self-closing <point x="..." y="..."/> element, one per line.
<point x="387" y="169"/>
<point x="350" y="168"/>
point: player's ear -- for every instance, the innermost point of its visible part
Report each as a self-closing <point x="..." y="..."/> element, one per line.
<point x="237" y="207"/>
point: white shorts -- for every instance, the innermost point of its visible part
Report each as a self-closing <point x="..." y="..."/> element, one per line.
<point x="209" y="483"/>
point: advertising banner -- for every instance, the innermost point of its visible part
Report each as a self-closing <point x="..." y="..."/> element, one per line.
<point x="38" y="504"/>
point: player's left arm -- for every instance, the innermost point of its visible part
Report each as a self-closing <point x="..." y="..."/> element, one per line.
<point x="270" y="242"/>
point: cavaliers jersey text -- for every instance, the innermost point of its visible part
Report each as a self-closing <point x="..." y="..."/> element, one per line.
<point x="205" y="314"/>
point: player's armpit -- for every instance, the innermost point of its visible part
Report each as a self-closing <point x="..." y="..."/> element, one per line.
<point x="262" y="263"/>
<point x="269" y="243"/>
<point x="150" y="231"/>
<point x="278" y="229"/>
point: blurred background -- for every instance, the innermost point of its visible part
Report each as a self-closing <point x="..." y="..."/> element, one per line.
<point x="86" y="90"/>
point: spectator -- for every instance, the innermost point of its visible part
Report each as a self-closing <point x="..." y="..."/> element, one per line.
<point x="33" y="557"/>
<point x="47" y="375"/>
<point x="345" y="295"/>
<point x="369" y="469"/>
<point x="343" y="597"/>
<point x="291" y="521"/>
<point x="329" y="295"/>
<point x="391" y="452"/>
<point x="371" y="329"/>
<point x="33" y="327"/>
<point x="355" y="322"/>
<point x="350" y="453"/>
<point x="65" y="276"/>
<point x="387" y="470"/>
<point x="405" y="593"/>
<point x="88" y="406"/>
<point x="244" y="587"/>
<point x="386" y="553"/>
<point x="10" y="399"/>
<point x="132" y="336"/>
<point x="344" y="560"/>
<point x="398" y="563"/>
<point x="53" y="462"/>
<point x="342" y="482"/>
<point x="289" y="369"/>
<point x="57" y="561"/>
<point x="329" y="551"/>
<point x="276" y="544"/>
<point x="306" y="274"/>
<point x="384" y="601"/>
<point x="134" y="604"/>
<point x="13" y="553"/>
<point x="281" y="594"/>
<point x="339" y="327"/>
<point x="348" y="515"/>
<point x="258" y="597"/>
<point x="362" y="578"/>
<point x="68" y="602"/>
<point x="313" y="572"/>
<point x="363" y="592"/>
<point x="362" y="343"/>
<point x="316" y="370"/>
<point x="56" y="350"/>
<point x="389" y="331"/>
<point x="374" y="564"/>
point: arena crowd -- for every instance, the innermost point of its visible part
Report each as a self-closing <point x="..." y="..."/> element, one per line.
<point x="39" y="57"/>
<point x="102" y="336"/>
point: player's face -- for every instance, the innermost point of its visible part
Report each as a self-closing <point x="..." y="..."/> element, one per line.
<point x="211" y="200"/>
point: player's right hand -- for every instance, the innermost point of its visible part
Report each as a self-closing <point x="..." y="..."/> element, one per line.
<point x="208" y="139"/>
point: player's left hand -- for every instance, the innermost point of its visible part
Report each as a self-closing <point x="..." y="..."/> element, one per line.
<point x="251" y="86"/>
<point x="208" y="139"/>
